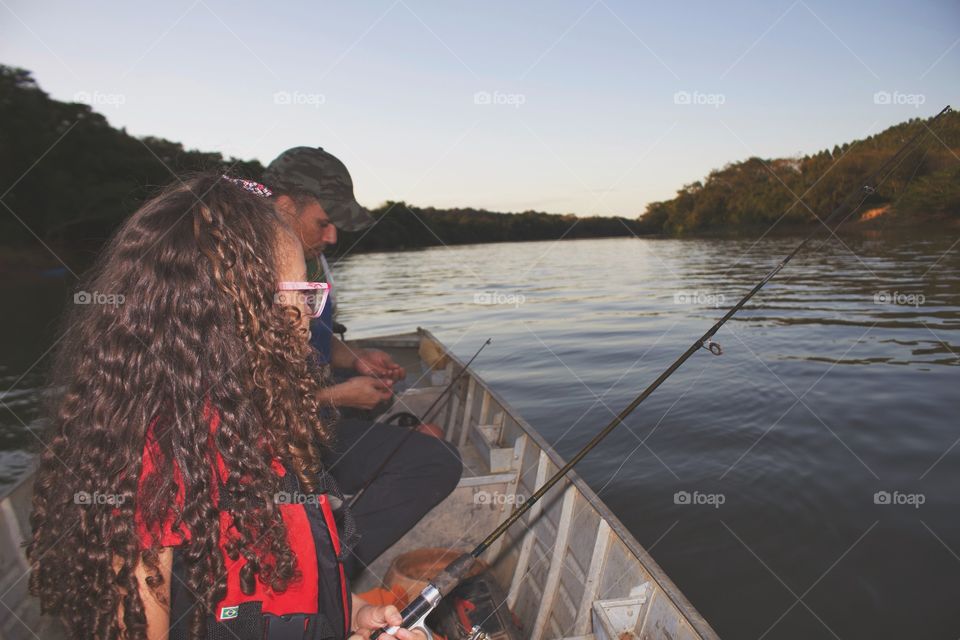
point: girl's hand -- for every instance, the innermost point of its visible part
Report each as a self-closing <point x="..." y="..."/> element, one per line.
<point x="369" y="618"/>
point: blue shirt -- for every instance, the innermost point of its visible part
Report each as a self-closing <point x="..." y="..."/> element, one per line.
<point x="321" y="328"/>
<point x="321" y="334"/>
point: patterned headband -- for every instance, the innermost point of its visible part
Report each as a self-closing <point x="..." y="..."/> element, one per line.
<point x="249" y="185"/>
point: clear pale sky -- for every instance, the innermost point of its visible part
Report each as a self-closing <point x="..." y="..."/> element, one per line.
<point x="559" y="106"/>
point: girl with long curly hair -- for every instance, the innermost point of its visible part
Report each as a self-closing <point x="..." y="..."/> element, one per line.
<point x="184" y="417"/>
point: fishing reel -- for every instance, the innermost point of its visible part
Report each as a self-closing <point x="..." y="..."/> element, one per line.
<point x="415" y="614"/>
<point x="404" y="419"/>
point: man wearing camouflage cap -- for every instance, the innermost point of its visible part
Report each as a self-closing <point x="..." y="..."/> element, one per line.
<point x="313" y="171"/>
<point x="313" y="189"/>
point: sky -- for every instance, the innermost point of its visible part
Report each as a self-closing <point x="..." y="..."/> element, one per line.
<point x="593" y="107"/>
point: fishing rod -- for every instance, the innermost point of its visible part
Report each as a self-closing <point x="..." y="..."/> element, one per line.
<point x="407" y="419"/>
<point x="414" y="615"/>
<point x="426" y="415"/>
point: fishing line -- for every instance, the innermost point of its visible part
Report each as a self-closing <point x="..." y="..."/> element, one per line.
<point x="426" y="415"/>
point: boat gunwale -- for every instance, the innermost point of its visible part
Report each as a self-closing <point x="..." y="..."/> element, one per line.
<point x="25" y="476"/>
<point x="663" y="581"/>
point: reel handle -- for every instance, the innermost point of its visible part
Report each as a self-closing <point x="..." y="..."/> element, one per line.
<point x="415" y="614"/>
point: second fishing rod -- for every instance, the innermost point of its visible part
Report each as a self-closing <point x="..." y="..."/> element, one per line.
<point x="412" y="427"/>
<point x="414" y="614"/>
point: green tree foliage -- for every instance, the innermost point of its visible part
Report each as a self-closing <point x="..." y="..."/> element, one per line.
<point x="69" y="176"/>
<point x="402" y="226"/>
<point x="757" y="192"/>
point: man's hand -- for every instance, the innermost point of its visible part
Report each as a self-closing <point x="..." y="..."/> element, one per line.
<point x="369" y="618"/>
<point x="373" y="362"/>
<point x="360" y="392"/>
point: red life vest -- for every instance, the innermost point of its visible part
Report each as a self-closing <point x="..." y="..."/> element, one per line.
<point x="314" y="606"/>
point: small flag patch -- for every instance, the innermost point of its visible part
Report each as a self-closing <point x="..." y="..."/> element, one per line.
<point x="228" y="613"/>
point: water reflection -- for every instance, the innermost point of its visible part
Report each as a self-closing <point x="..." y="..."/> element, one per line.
<point x="837" y="381"/>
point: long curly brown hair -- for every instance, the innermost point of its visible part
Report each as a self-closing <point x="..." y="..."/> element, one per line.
<point x="192" y="327"/>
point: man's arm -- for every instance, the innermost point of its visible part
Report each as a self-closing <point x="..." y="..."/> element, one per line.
<point x="360" y="392"/>
<point x="342" y="356"/>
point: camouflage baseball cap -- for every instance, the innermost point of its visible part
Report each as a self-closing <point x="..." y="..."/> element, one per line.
<point x="325" y="177"/>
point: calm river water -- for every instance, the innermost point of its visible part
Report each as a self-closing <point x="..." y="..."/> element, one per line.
<point x="803" y="485"/>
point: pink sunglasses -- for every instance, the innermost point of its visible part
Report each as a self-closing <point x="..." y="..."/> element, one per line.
<point x="310" y="295"/>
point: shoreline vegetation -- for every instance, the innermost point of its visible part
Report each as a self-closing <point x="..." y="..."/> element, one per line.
<point x="923" y="189"/>
<point x="93" y="175"/>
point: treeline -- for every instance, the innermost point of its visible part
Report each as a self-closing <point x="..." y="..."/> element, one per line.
<point x="402" y="226"/>
<point x="925" y="186"/>
<point x="68" y="179"/>
<point x="71" y="178"/>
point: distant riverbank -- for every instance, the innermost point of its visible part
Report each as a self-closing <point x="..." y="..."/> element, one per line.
<point x="64" y="258"/>
<point x="71" y="205"/>
<point x="924" y="184"/>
